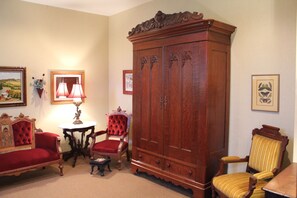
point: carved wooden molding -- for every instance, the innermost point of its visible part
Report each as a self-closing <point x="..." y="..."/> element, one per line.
<point x="162" y="20"/>
<point x="5" y="116"/>
<point x="143" y="61"/>
<point x="173" y="57"/>
<point x="153" y="60"/>
<point x="187" y="55"/>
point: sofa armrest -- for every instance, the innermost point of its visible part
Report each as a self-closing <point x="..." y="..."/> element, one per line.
<point x="48" y="140"/>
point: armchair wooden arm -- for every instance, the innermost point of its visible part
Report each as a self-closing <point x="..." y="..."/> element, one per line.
<point x="123" y="136"/>
<point x="230" y="159"/>
<point x="98" y="133"/>
<point x="264" y="175"/>
<point x="233" y="159"/>
<point x="122" y="141"/>
<point x="93" y="136"/>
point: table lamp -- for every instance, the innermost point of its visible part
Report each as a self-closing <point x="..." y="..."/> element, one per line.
<point x="77" y="94"/>
<point x="62" y="91"/>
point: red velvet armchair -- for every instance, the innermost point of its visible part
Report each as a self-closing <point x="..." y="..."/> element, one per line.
<point x="116" y="142"/>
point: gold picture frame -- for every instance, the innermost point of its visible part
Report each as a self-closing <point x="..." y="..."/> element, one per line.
<point x="265" y="92"/>
<point x="69" y="77"/>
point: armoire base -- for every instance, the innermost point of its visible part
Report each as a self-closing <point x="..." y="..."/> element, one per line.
<point x="197" y="190"/>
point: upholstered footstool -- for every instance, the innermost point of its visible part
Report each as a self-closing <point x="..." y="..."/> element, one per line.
<point x="101" y="163"/>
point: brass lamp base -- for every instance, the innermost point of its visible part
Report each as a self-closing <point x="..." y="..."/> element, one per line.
<point x="77" y="122"/>
<point x="77" y="114"/>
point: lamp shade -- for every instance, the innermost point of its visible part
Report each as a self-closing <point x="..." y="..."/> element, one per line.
<point x="77" y="92"/>
<point x="62" y="90"/>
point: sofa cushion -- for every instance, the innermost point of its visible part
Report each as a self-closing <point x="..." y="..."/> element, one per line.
<point x="24" y="158"/>
<point x="23" y="133"/>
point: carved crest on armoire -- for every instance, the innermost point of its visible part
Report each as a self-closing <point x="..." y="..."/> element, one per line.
<point x="181" y="88"/>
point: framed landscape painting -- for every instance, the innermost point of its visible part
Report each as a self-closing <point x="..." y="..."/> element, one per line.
<point x="265" y="92"/>
<point x="13" y="86"/>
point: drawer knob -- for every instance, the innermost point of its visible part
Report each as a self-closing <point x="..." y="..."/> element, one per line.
<point x="140" y="156"/>
<point x="157" y="161"/>
<point x="168" y="165"/>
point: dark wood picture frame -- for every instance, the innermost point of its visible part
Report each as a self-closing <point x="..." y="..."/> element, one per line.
<point x="13" y="90"/>
<point x="128" y="82"/>
<point x="68" y="76"/>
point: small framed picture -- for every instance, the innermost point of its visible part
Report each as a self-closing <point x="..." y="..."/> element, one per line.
<point x="265" y="92"/>
<point x="127" y="82"/>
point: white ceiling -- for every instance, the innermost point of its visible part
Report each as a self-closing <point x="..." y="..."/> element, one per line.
<point x="101" y="7"/>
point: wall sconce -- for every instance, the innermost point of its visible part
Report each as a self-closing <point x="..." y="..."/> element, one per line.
<point x="77" y="94"/>
<point x="62" y="91"/>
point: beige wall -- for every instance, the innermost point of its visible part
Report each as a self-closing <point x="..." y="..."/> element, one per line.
<point x="43" y="38"/>
<point x="264" y="43"/>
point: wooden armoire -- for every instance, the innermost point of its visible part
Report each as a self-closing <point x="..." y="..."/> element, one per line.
<point x="181" y="86"/>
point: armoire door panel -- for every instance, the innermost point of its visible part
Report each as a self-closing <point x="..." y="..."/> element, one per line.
<point x="179" y="116"/>
<point x="145" y="103"/>
<point x="149" y="65"/>
<point x="173" y="108"/>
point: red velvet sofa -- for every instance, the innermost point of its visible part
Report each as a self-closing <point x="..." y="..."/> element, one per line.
<point x="22" y="148"/>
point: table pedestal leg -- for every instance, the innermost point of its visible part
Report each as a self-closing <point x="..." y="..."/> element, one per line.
<point x="78" y="146"/>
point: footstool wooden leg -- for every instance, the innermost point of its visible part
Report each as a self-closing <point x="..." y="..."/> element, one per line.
<point x="92" y="169"/>
<point x="101" y="170"/>
<point x="108" y="167"/>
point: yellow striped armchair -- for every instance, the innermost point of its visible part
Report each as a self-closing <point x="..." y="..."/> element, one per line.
<point x="263" y="163"/>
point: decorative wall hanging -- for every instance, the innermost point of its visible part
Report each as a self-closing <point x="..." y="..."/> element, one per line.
<point x="127" y="82"/>
<point x="38" y="84"/>
<point x="265" y="92"/>
<point x="62" y="83"/>
<point x="13" y="86"/>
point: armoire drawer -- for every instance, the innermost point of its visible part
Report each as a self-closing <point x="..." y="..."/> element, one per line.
<point x="150" y="159"/>
<point x="179" y="169"/>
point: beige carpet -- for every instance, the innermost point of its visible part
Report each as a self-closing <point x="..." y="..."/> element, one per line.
<point x="78" y="182"/>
